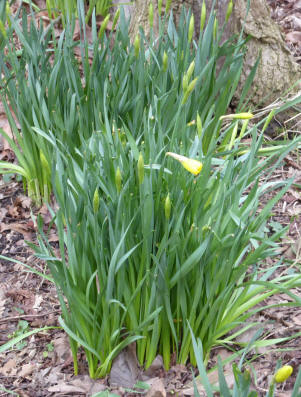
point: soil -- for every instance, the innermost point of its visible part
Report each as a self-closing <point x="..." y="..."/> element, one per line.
<point x="41" y="365"/>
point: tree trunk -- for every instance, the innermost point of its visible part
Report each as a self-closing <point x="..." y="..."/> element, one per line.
<point x="277" y="70"/>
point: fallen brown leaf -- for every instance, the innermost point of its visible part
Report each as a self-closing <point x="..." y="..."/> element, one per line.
<point x="26" y="370"/>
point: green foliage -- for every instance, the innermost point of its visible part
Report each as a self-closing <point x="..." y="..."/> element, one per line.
<point x="50" y="88"/>
<point x="68" y="8"/>
<point x="133" y="267"/>
<point x="242" y="378"/>
<point x="22" y="328"/>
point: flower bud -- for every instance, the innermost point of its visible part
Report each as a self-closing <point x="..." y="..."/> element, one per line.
<point x="190" y="70"/>
<point x="115" y="20"/>
<point x="167" y="7"/>
<point x="118" y="179"/>
<point x="192" y="84"/>
<point x="137" y="45"/>
<point x="151" y="15"/>
<point x="165" y="61"/>
<point x="215" y="27"/>
<point x="103" y="26"/>
<point x="199" y="125"/>
<point x="159" y="7"/>
<point x="269" y="119"/>
<point x="242" y="116"/>
<point x="191" y="165"/>
<point x="189" y="90"/>
<point x="167" y="207"/>
<point x="283" y="373"/>
<point x="3" y="30"/>
<point x="140" y="168"/>
<point x="203" y="15"/>
<point x="8" y="13"/>
<point x="191" y="28"/>
<point x="96" y="201"/>
<point x="229" y="10"/>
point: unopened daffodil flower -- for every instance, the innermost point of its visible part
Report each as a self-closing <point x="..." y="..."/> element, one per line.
<point x="191" y="165"/>
<point x="283" y="373"/>
<point x="241" y="116"/>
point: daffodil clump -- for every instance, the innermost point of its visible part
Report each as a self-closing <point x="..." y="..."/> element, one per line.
<point x="158" y="193"/>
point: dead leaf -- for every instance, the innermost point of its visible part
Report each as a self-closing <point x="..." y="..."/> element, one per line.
<point x="155" y="366"/>
<point x="62" y="349"/>
<point x="37" y="302"/>
<point x="125" y="369"/>
<point x="294" y="37"/>
<point x="9" y="367"/>
<point x="26" y="370"/>
<point x="19" y="228"/>
<point x="157" y="389"/>
<point x="81" y="384"/>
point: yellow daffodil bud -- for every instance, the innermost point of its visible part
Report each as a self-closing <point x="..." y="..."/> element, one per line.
<point x="191" y="85"/>
<point x="137" y="45"/>
<point x="190" y="70"/>
<point x="203" y="15"/>
<point x="165" y="61"/>
<point x="159" y="7"/>
<point x="103" y="26"/>
<point x="3" y="30"/>
<point x="140" y="168"/>
<point x="116" y="17"/>
<point x="151" y="15"/>
<point x="283" y="373"/>
<point x="96" y="201"/>
<point x="229" y="10"/>
<point x="191" y="165"/>
<point x="269" y="119"/>
<point x="185" y="83"/>
<point x="167" y="207"/>
<point x="199" y="125"/>
<point x="215" y="27"/>
<point x="189" y="90"/>
<point x="7" y="8"/>
<point x="242" y="116"/>
<point x="191" y="28"/>
<point x="167" y="7"/>
<point x="118" y="179"/>
<point x="8" y="13"/>
<point x="191" y="123"/>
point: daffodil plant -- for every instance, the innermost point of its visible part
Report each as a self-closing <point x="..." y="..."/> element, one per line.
<point x="158" y="227"/>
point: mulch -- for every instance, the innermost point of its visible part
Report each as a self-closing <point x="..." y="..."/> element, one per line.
<point x="42" y="365"/>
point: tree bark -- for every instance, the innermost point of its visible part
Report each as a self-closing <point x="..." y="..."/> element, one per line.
<point x="277" y="70"/>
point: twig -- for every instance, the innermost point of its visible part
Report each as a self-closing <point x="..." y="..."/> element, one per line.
<point x="292" y="163"/>
<point x="27" y="316"/>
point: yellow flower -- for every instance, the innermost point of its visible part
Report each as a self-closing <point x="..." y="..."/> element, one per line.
<point x="242" y="116"/>
<point x="191" y="165"/>
<point x="283" y="373"/>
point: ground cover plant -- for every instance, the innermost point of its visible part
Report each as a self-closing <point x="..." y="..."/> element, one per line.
<point x="145" y="244"/>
